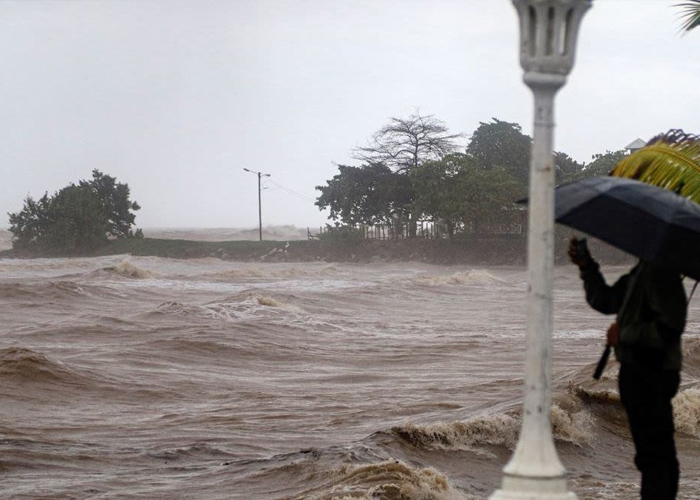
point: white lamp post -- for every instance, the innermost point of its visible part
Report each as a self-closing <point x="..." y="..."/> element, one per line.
<point x="548" y="32"/>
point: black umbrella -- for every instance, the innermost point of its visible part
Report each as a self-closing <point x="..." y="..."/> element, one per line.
<point x="651" y="223"/>
<point x="654" y="224"/>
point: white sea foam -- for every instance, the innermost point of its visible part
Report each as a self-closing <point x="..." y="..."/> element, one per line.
<point x="127" y="269"/>
<point x="391" y="479"/>
<point x="470" y="277"/>
<point x="242" y="307"/>
<point x="495" y="430"/>
<point x="686" y="411"/>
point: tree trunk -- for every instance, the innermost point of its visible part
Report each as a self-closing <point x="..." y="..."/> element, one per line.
<point x="450" y="229"/>
<point x="413" y="226"/>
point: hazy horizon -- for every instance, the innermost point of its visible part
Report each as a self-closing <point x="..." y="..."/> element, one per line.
<point x="176" y="98"/>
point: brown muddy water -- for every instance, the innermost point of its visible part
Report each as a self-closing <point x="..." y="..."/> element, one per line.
<point x="149" y="378"/>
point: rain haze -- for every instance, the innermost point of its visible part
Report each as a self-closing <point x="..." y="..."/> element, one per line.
<point x="176" y="98"/>
<point x="180" y="360"/>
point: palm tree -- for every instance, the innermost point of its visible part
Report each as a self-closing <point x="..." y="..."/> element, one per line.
<point x="670" y="161"/>
<point x="690" y="14"/>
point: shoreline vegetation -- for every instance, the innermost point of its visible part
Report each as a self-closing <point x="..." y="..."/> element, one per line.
<point x="471" y="251"/>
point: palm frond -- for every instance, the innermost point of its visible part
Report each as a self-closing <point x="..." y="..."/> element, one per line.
<point x="670" y="161"/>
<point x="690" y="14"/>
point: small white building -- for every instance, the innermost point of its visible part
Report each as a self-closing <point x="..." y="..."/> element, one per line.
<point x="635" y="145"/>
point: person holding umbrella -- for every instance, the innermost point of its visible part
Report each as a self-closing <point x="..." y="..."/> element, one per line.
<point x="648" y="206"/>
<point x="650" y="304"/>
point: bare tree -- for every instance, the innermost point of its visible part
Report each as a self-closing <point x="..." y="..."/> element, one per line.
<point x="405" y="143"/>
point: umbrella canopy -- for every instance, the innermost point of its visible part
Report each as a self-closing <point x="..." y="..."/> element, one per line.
<point x="654" y="224"/>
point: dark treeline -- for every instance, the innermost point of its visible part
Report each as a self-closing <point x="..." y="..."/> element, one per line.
<point x="412" y="170"/>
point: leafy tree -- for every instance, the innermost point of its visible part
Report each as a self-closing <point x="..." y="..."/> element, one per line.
<point x="566" y="166"/>
<point x="78" y="218"/>
<point x="460" y="191"/>
<point x="419" y="181"/>
<point x="31" y="223"/>
<point x="116" y="205"/>
<point x="488" y="196"/>
<point x="602" y="164"/>
<point x="502" y="144"/>
<point x="437" y="189"/>
<point x="405" y="143"/>
<point x="371" y="194"/>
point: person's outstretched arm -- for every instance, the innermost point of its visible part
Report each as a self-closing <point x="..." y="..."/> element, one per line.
<point x="599" y="295"/>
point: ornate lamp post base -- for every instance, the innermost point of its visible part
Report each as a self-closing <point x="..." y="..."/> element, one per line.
<point x="533" y="488"/>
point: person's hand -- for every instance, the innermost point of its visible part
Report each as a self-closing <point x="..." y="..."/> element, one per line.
<point x="579" y="258"/>
<point x="613" y="334"/>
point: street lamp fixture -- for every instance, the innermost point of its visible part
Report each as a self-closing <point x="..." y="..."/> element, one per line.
<point x="260" y="175"/>
<point x="548" y="33"/>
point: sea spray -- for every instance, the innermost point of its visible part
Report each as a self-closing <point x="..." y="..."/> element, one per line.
<point x="575" y="427"/>
<point x="268" y="301"/>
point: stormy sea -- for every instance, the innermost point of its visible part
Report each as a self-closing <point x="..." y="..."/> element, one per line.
<point x="149" y="378"/>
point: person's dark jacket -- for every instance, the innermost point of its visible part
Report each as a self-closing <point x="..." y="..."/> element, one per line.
<point x="651" y="308"/>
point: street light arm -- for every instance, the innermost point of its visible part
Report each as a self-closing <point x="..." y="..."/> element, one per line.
<point x="256" y="173"/>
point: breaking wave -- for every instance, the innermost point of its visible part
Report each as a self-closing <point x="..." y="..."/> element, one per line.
<point x="572" y="427"/>
<point x="51" y="290"/>
<point x="198" y="451"/>
<point x="471" y="277"/>
<point x="24" y="365"/>
<point x="691" y="357"/>
<point x="494" y="430"/>
<point x="245" y="305"/>
<point x="390" y="479"/>
<point x="128" y="270"/>
<point x="686" y="411"/>
<point x="604" y="397"/>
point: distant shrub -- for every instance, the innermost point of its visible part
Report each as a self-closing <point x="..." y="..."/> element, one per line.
<point x="342" y="233"/>
<point x="78" y="218"/>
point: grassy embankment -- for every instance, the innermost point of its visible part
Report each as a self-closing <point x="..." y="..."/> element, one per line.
<point x="492" y="251"/>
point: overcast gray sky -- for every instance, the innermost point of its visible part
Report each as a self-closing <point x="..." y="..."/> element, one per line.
<point x="176" y="97"/>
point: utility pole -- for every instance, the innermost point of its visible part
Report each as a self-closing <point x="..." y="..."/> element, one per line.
<point x="260" y="175"/>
